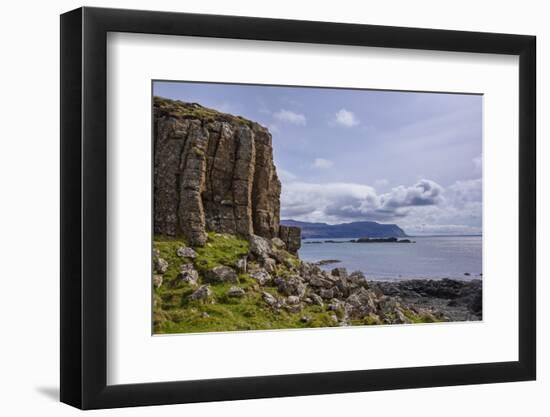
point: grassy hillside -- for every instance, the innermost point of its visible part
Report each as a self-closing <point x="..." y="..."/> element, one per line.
<point x="174" y="313"/>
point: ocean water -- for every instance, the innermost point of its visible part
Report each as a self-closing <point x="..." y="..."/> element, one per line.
<point x="430" y="257"/>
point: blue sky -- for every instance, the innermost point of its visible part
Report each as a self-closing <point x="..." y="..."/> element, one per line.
<point x="347" y="155"/>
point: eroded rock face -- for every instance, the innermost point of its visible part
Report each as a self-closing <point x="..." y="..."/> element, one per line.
<point x="291" y="236"/>
<point x="212" y="171"/>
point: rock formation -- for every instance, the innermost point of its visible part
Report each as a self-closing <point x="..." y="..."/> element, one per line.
<point x="214" y="172"/>
<point x="280" y="283"/>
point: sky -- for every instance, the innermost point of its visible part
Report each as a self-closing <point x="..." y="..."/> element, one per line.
<point x="409" y="158"/>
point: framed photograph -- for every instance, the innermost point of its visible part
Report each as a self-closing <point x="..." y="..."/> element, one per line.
<point x="256" y="208"/>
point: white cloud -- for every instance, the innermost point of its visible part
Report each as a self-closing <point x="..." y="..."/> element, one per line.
<point x="465" y="191"/>
<point x="422" y="208"/>
<point x="346" y="118"/>
<point x="340" y="202"/>
<point x="290" y="117"/>
<point x="423" y="193"/>
<point x="322" y="163"/>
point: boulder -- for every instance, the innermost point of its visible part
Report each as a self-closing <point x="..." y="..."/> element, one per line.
<point x="200" y="294"/>
<point x="186" y="252"/>
<point x="157" y="280"/>
<point x="316" y="281"/>
<point x="327" y="294"/>
<point x="316" y="299"/>
<point x="269" y="299"/>
<point x="292" y="237"/>
<point x="292" y="299"/>
<point x="362" y="302"/>
<point x="290" y="286"/>
<point x="262" y="276"/>
<point x="270" y="265"/>
<point x="260" y="247"/>
<point x="237" y="292"/>
<point x="278" y="243"/>
<point x="339" y="272"/>
<point x="188" y="274"/>
<point x="293" y="308"/>
<point x="160" y="265"/>
<point x="400" y="317"/>
<point x="221" y="273"/>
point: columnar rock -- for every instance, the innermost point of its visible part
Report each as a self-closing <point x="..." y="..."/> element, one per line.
<point x="292" y="236"/>
<point x="212" y="171"/>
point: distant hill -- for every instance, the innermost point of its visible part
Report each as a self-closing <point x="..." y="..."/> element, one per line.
<point x="351" y="230"/>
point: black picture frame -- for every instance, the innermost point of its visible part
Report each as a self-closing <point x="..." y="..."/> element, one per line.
<point x="84" y="207"/>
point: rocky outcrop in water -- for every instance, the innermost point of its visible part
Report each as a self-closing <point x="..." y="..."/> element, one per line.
<point x="214" y="172"/>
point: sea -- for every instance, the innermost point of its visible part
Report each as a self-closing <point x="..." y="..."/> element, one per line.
<point x="430" y="257"/>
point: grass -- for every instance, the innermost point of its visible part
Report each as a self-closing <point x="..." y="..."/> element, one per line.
<point x="248" y="313"/>
<point x="174" y="313"/>
<point x="177" y="108"/>
<point x="220" y="249"/>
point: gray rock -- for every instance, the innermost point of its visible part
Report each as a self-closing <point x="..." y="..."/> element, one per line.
<point x="160" y="265"/>
<point x="293" y="308"/>
<point x="157" y="280"/>
<point x="362" y="302"/>
<point x="221" y="273"/>
<point x="292" y="237"/>
<point x="316" y="299"/>
<point x="200" y="294"/>
<point x="292" y="299"/>
<point x="326" y="294"/>
<point x="340" y="272"/>
<point x="269" y="299"/>
<point x="212" y="171"/>
<point x="269" y="265"/>
<point x="188" y="274"/>
<point x="278" y="243"/>
<point x="262" y="276"/>
<point x="290" y="286"/>
<point x="242" y="265"/>
<point x="319" y="282"/>
<point x="235" y="292"/>
<point x="260" y="247"/>
<point x="400" y="317"/>
<point x="186" y="252"/>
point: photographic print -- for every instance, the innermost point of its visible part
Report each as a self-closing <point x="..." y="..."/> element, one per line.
<point x="288" y="207"/>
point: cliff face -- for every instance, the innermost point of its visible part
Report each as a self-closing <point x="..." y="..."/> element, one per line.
<point x="213" y="172"/>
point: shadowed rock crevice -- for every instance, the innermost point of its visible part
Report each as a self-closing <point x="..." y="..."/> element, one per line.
<point x="214" y="172"/>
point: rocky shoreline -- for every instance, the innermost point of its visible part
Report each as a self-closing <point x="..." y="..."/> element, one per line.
<point x="222" y="261"/>
<point x="456" y="299"/>
<point x="283" y="287"/>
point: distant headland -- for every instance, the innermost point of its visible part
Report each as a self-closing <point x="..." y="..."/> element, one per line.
<point x="346" y="230"/>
